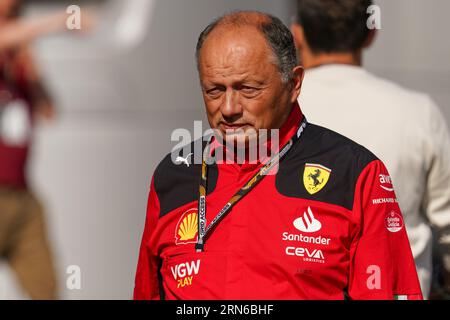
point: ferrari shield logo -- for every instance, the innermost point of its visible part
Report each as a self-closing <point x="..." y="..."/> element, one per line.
<point x="315" y="177"/>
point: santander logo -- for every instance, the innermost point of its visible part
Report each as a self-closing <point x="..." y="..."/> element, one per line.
<point x="307" y="223"/>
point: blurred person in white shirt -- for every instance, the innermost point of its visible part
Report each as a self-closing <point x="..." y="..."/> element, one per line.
<point x="402" y="127"/>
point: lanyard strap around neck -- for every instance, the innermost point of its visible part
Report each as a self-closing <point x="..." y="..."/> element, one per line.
<point x="203" y="231"/>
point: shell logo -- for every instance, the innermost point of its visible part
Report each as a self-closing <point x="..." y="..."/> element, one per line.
<point x="187" y="227"/>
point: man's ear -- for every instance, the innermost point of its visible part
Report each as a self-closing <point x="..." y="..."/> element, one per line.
<point x="370" y="38"/>
<point x="297" y="79"/>
<point x="299" y="36"/>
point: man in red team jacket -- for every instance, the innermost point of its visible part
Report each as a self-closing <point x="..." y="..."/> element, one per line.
<point x="324" y="225"/>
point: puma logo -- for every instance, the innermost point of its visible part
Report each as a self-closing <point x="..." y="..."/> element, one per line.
<point x="180" y="160"/>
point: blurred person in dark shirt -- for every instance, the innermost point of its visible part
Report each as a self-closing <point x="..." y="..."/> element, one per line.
<point x="23" y="240"/>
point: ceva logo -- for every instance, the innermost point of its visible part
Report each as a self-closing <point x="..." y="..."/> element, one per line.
<point x="307" y="223"/>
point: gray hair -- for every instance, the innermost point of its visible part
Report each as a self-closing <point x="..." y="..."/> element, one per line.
<point x="277" y="35"/>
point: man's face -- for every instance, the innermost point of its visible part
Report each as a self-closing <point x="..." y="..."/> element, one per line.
<point x="241" y="84"/>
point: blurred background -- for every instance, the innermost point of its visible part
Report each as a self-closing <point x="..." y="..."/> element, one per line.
<point x="121" y="90"/>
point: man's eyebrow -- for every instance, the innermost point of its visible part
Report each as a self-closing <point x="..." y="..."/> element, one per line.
<point x="254" y="82"/>
<point x="260" y="81"/>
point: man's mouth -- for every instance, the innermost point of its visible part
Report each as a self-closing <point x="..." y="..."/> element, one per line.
<point x="232" y="126"/>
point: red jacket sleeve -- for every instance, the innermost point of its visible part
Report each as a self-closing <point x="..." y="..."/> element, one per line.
<point x="381" y="263"/>
<point x="147" y="286"/>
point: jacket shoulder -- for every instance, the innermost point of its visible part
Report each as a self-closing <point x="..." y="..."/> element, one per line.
<point x="323" y="166"/>
<point x="176" y="178"/>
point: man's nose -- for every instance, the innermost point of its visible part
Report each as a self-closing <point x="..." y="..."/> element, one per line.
<point x="231" y="108"/>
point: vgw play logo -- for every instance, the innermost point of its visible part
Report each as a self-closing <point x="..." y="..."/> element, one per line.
<point x="185" y="272"/>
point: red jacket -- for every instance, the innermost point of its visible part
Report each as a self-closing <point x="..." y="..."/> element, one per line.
<point x="326" y="226"/>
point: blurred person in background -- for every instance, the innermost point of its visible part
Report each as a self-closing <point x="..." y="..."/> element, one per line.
<point x="23" y="241"/>
<point x="404" y="128"/>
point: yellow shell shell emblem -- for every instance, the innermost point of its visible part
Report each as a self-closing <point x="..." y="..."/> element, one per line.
<point x="315" y="177"/>
<point x="187" y="227"/>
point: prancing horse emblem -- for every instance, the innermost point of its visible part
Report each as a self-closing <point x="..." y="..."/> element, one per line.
<point x="315" y="177"/>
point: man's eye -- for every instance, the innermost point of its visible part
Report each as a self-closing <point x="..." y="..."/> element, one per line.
<point x="249" y="90"/>
<point x="215" y="92"/>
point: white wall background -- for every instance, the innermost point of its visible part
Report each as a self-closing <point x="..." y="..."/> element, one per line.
<point x="413" y="47"/>
<point x="120" y="101"/>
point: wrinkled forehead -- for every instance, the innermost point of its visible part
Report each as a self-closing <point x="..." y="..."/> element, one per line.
<point x="243" y="47"/>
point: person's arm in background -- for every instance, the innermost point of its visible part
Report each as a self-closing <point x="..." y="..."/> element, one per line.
<point x="23" y="30"/>
<point x="147" y="281"/>
<point x="18" y="33"/>
<point x="381" y="262"/>
<point x="436" y="202"/>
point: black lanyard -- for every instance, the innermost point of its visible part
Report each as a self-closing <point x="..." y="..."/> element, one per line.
<point x="202" y="229"/>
